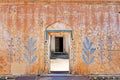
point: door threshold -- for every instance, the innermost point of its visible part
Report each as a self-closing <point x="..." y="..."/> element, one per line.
<point x="59" y="72"/>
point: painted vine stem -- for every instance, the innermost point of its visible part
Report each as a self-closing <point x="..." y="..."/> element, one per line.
<point x="110" y="48"/>
<point x="101" y="49"/>
<point x="11" y="49"/>
<point x="19" y="50"/>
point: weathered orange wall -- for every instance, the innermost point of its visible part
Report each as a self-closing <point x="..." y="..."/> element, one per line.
<point x="24" y="21"/>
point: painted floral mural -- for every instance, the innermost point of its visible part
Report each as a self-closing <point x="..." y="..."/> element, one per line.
<point x="23" y="27"/>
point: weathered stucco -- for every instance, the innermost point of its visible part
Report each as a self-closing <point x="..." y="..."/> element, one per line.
<point x="25" y="24"/>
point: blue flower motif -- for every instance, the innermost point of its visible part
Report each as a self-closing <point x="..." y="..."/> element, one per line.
<point x="29" y="56"/>
<point x="88" y="51"/>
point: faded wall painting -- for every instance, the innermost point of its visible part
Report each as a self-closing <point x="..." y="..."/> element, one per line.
<point x="96" y="37"/>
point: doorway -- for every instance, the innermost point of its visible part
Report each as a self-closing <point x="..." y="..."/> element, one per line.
<point x="59" y="54"/>
<point x="59" y="29"/>
<point x="58" y="44"/>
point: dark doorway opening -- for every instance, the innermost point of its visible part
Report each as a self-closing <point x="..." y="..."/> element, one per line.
<point x="58" y="44"/>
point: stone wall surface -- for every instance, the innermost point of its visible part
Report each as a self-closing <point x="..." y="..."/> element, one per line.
<point x="96" y="34"/>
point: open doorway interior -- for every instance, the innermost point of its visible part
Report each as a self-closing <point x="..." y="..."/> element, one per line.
<point x="59" y="44"/>
<point x="59" y="58"/>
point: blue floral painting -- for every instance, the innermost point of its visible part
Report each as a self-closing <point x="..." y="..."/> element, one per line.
<point x="88" y="51"/>
<point x="30" y="56"/>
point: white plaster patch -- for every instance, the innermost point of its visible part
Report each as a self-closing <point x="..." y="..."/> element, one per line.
<point x="7" y="35"/>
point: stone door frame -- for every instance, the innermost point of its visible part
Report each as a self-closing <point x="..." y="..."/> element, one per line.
<point x="71" y="54"/>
